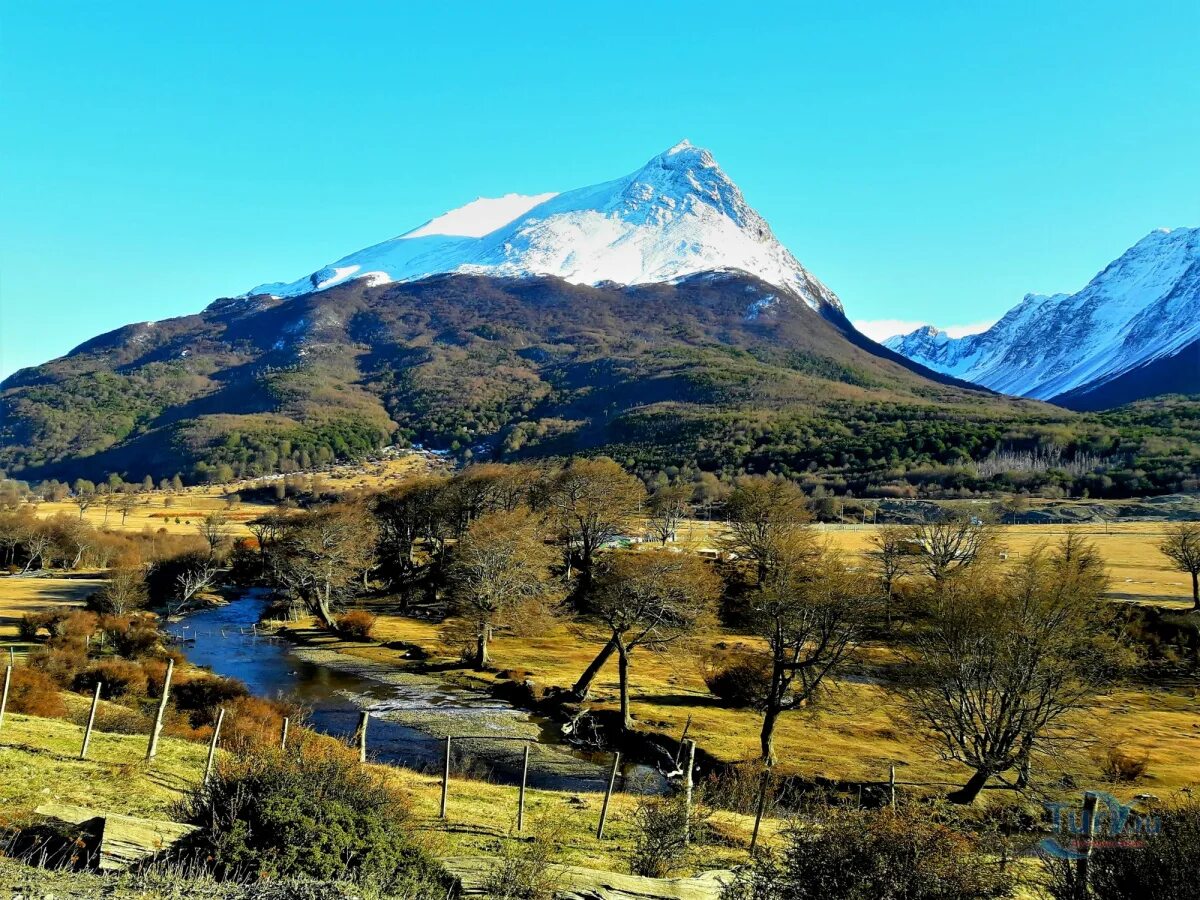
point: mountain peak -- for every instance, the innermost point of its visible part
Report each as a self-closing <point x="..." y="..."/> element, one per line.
<point x="676" y="216"/>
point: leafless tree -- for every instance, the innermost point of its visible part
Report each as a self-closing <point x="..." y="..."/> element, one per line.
<point x="190" y="582"/>
<point x="1002" y="660"/>
<point x="651" y="599"/>
<point x="1182" y="547"/>
<point x="762" y="510"/>
<point x="499" y="565"/>
<point x="125" y="504"/>
<point x="591" y="502"/>
<point x="323" y="553"/>
<point x="810" y="610"/>
<point x="214" y="528"/>
<point x="123" y="592"/>
<point x="669" y="505"/>
<point x="890" y="558"/>
<point x="951" y="544"/>
<point x="83" y="499"/>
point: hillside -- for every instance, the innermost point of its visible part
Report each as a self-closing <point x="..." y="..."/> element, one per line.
<point x="721" y="370"/>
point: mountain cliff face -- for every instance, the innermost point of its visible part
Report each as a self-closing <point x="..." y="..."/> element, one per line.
<point x="1132" y="332"/>
<point x="678" y="215"/>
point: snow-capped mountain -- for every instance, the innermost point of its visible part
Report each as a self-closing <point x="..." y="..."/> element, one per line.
<point x="1134" y="330"/>
<point x="678" y="215"/>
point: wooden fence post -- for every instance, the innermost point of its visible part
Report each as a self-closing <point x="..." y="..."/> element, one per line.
<point x="283" y="736"/>
<point x="363" y="718"/>
<point x="152" y="747"/>
<point x="762" y="805"/>
<point x="91" y="721"/>
<point x="612" y="780"/>
<point x="212" y="745"/>
<point x="892" y="786"/>
<point x="12" y="657"/>
<point x="683" y="738"/>
<point x="4" y="696"/>
<point x="687" y="783"/>
<point x="446" y="778"/>
<point x="1089" y="824"/>
<point x="521" y="797"/>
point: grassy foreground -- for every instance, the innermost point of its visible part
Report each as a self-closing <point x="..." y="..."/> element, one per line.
<point x="39" y="764"/>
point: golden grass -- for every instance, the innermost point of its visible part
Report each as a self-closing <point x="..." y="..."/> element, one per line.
<point x="21" y="595"/>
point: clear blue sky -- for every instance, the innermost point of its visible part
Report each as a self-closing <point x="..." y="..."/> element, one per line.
<point x="929" y="162"/>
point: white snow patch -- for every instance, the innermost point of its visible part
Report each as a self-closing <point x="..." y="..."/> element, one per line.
<point x="481" y="216"/>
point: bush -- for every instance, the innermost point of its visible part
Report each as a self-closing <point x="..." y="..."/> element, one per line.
<point x="312" y="814"/>
<point x="660" y="832"/>
<point x="1163" y="867"/>
<point x="1119" y="764"/>
<point x="75" y="629"/>
<point x="740" y="681"/>
<point x="30" y="626"/>
<point x="131" y="636"/>
<point x="524" y="869"/>
<point x="201" y="696"/>
<point x="114" y="719"/>
<point x="357" y="624"/>
<point x="59" y="663"/>
<point x="117" y="677"/>
<point x="862" y="855"/>
<point x="252" y="722"/>
<point x="35" y="693"/>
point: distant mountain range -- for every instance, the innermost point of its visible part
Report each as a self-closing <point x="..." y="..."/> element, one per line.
<point x="1132" y="332"/>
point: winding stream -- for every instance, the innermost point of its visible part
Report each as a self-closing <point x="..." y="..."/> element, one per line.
<point x="335" y="688"/>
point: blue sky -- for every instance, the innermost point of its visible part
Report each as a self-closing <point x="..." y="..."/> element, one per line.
<point x="929" y="162"/>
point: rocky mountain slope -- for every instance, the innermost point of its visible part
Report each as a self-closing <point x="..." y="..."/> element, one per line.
<point x="1132" y="332"/>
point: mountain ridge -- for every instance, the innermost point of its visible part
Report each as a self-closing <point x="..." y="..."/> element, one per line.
<point x="1142" y="310"/>
<point x="675" y="216"/>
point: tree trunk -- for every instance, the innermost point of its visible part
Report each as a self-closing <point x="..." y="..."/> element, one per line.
<point x="584" y="684"/>
<point x="1196" y="590"/>
<point x="623" y="669"/>
<point x="969" y="791"/>
<point x="482" y="660"/>
<point x="767" y="737"/>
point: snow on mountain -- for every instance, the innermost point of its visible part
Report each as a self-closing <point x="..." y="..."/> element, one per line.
<point x="678" y="215"/>
<point x="1144" y="307"/>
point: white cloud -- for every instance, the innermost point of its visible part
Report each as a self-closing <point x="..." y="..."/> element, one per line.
<point x="881" y="329"/>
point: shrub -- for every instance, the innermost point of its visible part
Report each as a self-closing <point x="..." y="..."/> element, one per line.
<point x="58" y="663"/>
<point x="312" y="814"/>
<point x="131" y="636"/>
<point x="1163" y="867"/>
<point x="524" y="869"/>
<point x="357" y="624"/>
<point x="1119" y="764"/>
<point x="75" y="629"/>
<point x="31" y="625"/>
<point x="252" y="722"/>
<point x="739" y="681"/>
<point x="35" y="693"/>
<point x="863" y="855"/>
<point x="660" y="831"/>
<point x="117" y="677"/>
<point x="115" y="719"/>
<point x="201" y="696"/>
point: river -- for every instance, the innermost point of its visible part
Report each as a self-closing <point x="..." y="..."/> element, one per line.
<point x="334" y="688"/>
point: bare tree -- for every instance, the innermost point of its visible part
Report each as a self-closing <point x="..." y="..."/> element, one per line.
<point x="951" y="544"/>
<point x="890" y="558"/>
<point x="1003" y="659"/>
<point x="1182" y="547"/>
<point x="125" y="504"/>
<point x="190" y="582"/>
<point x="669" y="505"/>
<point x="38" y="541"/>
<point x="323" y="553"/>
<point x="83" y="499"/>
<point x="590" y="502"/>
<point x="810" y="611"/>
<point x="123" y="592"/>
<point x="500" y="564"/>
<point x="762" y="510"/>
<point x="650" y="599"/>
<point x="214" y="528"/>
